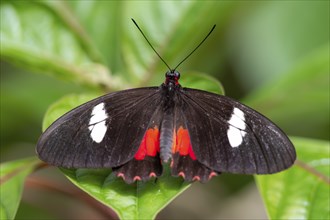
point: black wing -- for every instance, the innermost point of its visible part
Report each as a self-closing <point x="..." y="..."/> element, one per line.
<point x="228" y="136"/>
<point x="105" y="132"/>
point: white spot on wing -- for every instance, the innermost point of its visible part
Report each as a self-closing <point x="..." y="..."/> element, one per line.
<point x="235" y="131"/>
<point x="98" y="114"/>
<point x="237" y="119"/>
<point x="97" y="124"/>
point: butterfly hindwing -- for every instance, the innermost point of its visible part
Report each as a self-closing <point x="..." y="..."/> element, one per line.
<point x="103" y="133"/>
<point x="184" y="162"/>
<point x="146" y="162"/>
<point x="228" y="136"/>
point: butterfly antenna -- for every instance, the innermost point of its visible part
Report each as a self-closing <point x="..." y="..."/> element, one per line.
<point x="196" y="47"/>
<point x="151" y="45"/>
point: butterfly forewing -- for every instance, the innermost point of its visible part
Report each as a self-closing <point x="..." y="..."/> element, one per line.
<point x="228" y="136"/>
<point x="103" y="133"/>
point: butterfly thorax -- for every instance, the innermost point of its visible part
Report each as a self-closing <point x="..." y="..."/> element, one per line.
<point x="169" y="88"/>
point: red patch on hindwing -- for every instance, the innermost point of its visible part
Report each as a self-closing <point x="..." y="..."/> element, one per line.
<point x="182" y="144"/>
<point x="146" y="163"/>
<point x="184" y="162"/>
<point x="149" y="145"/>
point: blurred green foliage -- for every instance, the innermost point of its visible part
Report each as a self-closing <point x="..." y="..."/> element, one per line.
<point x="274" y="55"/>
<point x="308" y="197"/>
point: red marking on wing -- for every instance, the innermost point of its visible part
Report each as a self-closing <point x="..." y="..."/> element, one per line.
<point x="149" y="145"/>
<point x="121" y="175"/>
<point x="137" y="178"/>
<point x="182" y="143"/>
<point x="212" y="174"/>
<point x="196" y="178"/>
<point x="152" y="174"/>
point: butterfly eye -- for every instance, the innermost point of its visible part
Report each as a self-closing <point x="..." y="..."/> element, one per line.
<point x="176" y="75"/>
<point x="169" y="75"/>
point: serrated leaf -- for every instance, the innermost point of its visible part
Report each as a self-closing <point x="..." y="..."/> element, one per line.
<point x="302" y="192"/>
<point x="12" y="177"/>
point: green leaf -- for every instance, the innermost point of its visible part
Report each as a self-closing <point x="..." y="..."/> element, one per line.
<point x="202" y="81"/>
<point x="12" y="177"/>
<point x="301" y="93"/>
<point x="97" y="18"/>
<point x="302" y="192"/>
<point x="76" y="40"/>
<point x="44" y="37"/>
<point x="135" y="201"/>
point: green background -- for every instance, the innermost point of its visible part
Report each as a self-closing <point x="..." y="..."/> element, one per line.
<point x="271" y="55"/>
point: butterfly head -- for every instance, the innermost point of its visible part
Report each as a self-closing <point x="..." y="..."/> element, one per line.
<point x="172" y="77"/>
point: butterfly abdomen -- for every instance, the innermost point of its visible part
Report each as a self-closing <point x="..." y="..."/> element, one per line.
<point x="166" y="136"/>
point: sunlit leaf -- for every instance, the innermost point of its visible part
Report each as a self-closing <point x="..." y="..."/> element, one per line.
<point x="12" y="177"/>
<point x="68" y="45"/>
<point x="44" y="38"/>
<point x="302" y="192"/>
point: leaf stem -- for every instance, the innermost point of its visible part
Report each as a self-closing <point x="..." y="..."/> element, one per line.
<point x="38" y="182"/>
<point x="313" y="171"/>
<point x="7" y="177"/>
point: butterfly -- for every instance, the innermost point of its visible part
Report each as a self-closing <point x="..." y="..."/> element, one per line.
<point x="135" y="132"/>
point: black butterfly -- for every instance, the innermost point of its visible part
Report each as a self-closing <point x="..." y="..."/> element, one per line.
<point x="134" y="131"/>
